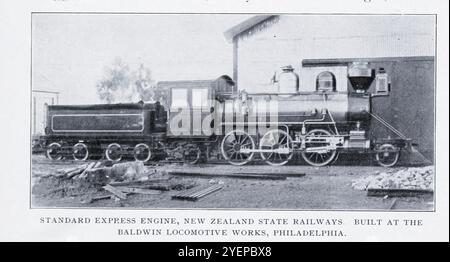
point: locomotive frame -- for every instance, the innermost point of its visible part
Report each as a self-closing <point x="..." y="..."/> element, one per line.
<point x="318" y="134"/>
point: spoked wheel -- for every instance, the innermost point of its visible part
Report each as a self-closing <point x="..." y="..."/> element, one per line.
<point x="142" y="152"/>
<point x="232" y="145"/>
<point x="80" y="152"/>
<point x="192" y="155"/>
<point x="54" y="151"/>
<point x="114" y="152"/>
<point x="319" y="158"/>
<point x="335" y="159"/>
<point x="388" y="156"/>
<point x="276" y="140"/>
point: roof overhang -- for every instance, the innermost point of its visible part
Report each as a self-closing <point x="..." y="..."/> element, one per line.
<point x="231" y="33"/>
<point x="345" y="61"/>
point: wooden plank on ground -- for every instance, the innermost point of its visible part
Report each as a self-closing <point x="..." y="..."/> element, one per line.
<point x="93" y="199"/>
<point x="292" y="174"/>
<point x="115" y="191"/>
<point x="69" y="170"/>
<point x="89" y="167"/>
<point x="143" y="182"/>
<point x="143" y="191"/>
<point x="75" y="172"/>
<point x="162" y="187"/>
<point x="393" y="203"/>
<point x="235" y="175"/>
<point x="397" y="192"/>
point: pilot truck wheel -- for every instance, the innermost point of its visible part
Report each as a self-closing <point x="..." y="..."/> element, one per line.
<point x="388" y="155"/>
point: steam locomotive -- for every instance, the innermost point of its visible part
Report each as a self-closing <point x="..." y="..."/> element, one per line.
<point x="204" y="120"/>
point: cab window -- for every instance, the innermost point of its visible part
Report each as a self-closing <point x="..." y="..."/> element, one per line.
<point x="199" y="97"/>
<point x="179" y="98"/>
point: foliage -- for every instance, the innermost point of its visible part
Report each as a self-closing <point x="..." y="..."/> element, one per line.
<point x="123" y="84"/>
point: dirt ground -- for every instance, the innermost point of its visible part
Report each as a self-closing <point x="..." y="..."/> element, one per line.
<point x="324" y="188"/>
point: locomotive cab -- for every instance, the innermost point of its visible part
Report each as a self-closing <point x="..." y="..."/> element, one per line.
<point x="192" y="105"/>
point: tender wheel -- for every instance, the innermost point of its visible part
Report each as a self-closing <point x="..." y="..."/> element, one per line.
<point x="276" y="140"/>
<point x="389" y="155"/>
<point x="80" y="152"/>
<point x="318" y="158"/>
<point x="54" y="151"/>
<point x="142" y="152"/>
<point x="114" y="152"/>
<point x="192" y="155"/>
<point x="233" y="143"/>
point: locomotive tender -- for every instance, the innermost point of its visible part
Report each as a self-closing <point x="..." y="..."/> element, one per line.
<point x="204" y="120"/>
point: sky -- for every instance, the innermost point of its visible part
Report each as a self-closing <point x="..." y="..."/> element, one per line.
<point x="70" y="51"/>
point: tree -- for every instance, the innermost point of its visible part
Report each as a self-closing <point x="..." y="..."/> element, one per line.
<point x="121" y="84"/>
<point x="144" y="85"/>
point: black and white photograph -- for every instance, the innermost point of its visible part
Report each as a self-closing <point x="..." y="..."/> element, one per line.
<point x="233" y="111"/>
<point x="224" y="126"/>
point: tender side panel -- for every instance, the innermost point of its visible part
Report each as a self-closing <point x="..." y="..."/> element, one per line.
<point x="97" y="123"/>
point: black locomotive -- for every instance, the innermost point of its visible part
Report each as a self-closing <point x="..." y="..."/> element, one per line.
<point x="204" y="120"/>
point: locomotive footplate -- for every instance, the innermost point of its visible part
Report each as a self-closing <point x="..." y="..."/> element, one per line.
<point x="332" y="140"/>
<point x="304" y="144"/>
<point x="286" y="151"/>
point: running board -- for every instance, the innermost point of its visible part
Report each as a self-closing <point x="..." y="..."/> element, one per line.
<point x="287" y="151"/>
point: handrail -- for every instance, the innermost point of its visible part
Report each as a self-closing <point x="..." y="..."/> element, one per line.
<point x="386" y="124"/>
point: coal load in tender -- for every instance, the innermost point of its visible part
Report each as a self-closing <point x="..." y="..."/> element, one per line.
<point x="409" y="178"/>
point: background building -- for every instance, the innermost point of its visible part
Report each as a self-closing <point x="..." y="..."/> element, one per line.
<point x="40" y="99"/>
